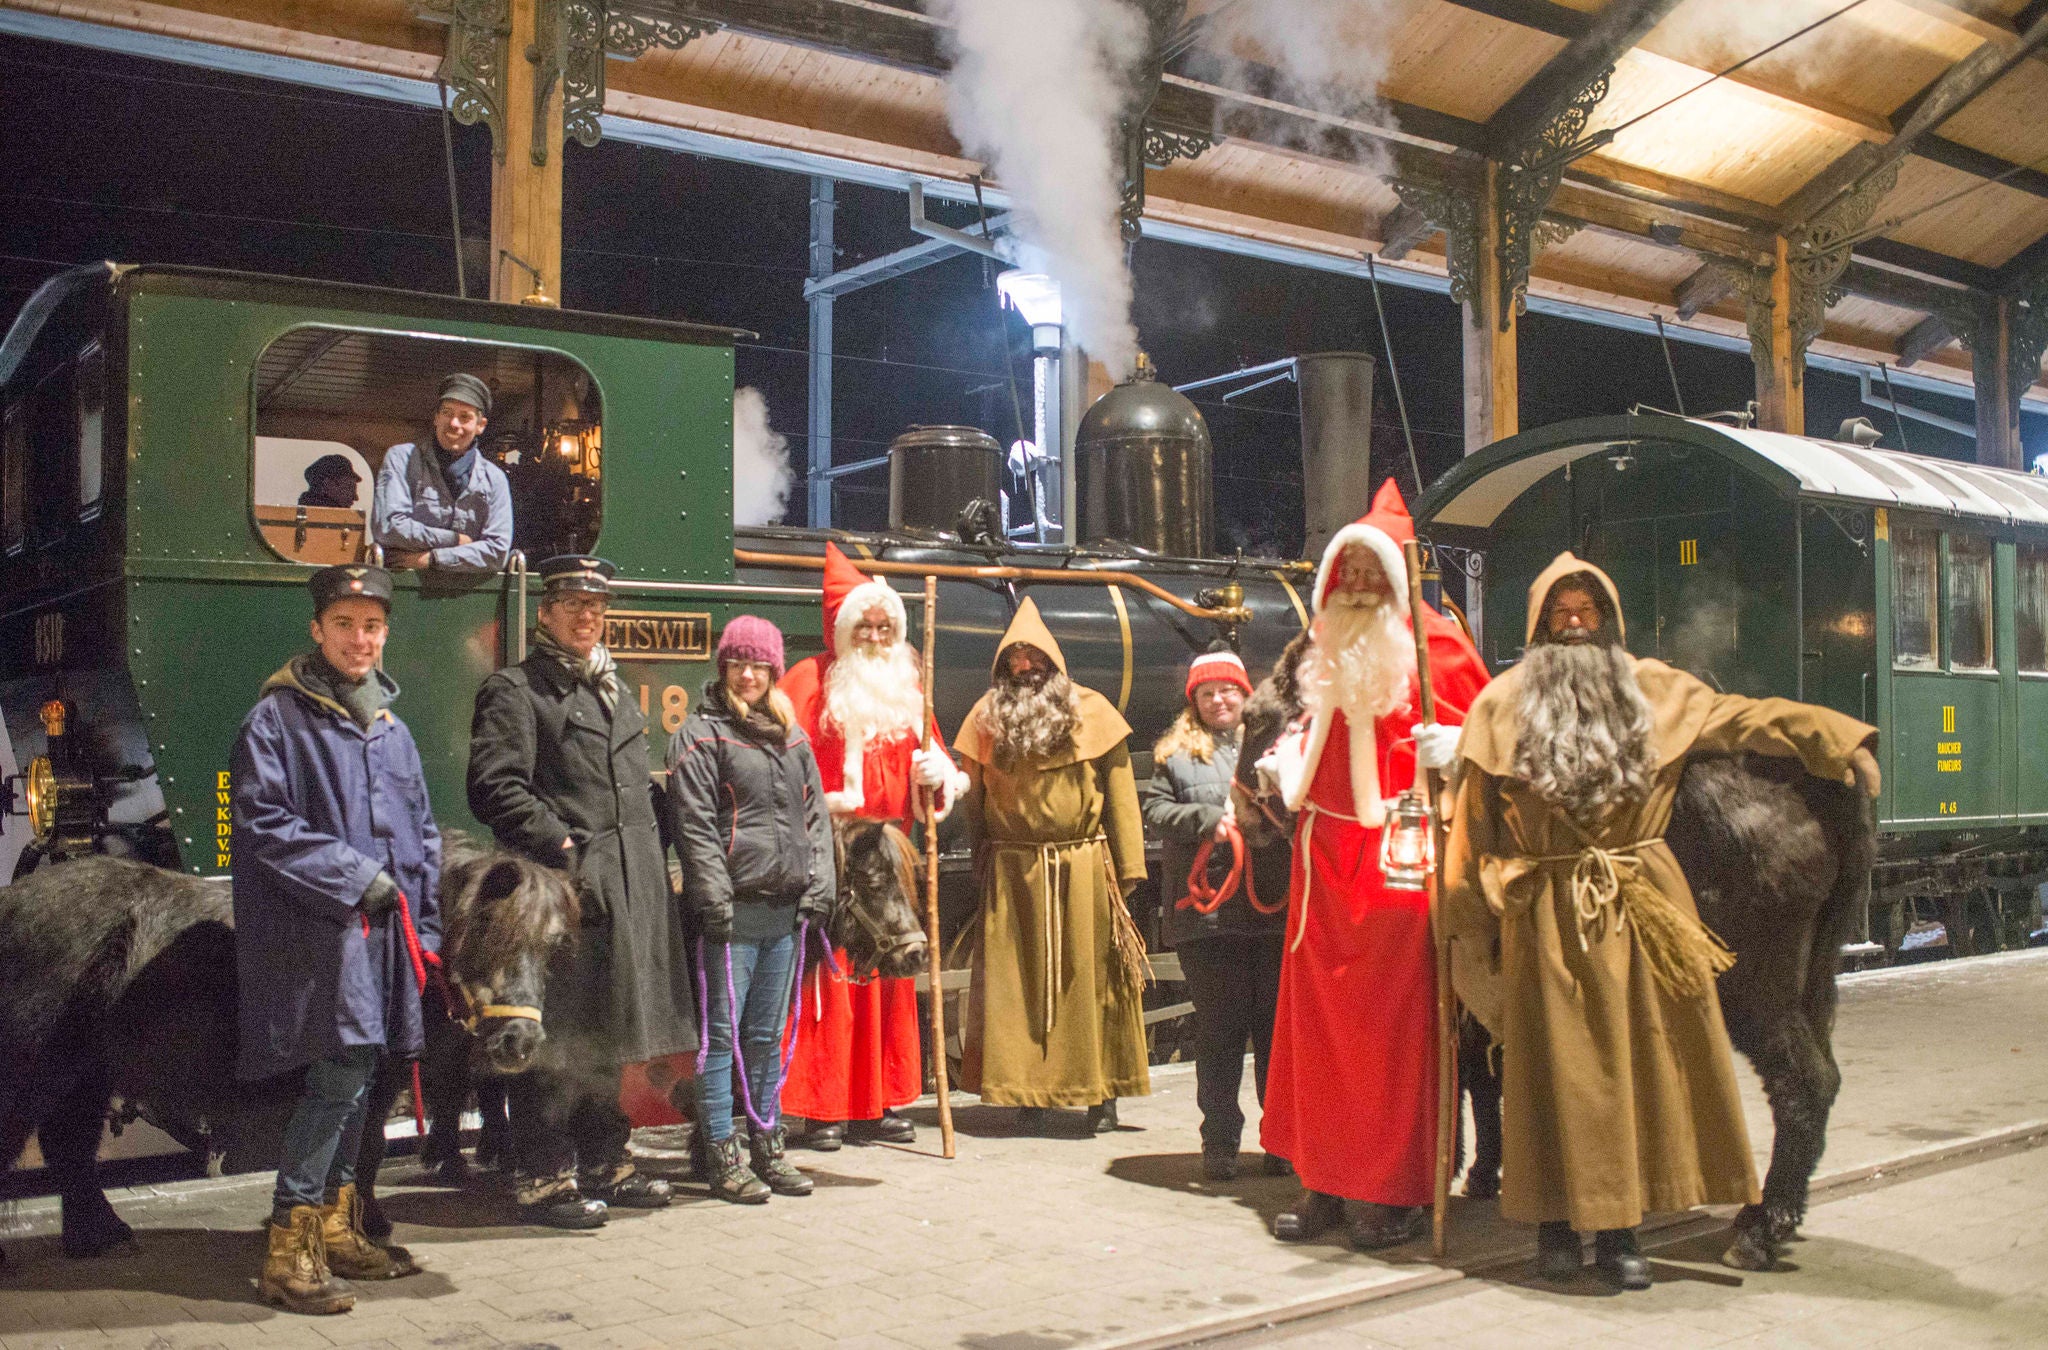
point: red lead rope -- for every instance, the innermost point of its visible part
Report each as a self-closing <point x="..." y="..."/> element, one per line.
<point x="1203" y="898"/>
<point x="421" y="959"/>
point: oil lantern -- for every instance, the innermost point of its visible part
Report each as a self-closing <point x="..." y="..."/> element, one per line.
<point x="1407" y="844"/>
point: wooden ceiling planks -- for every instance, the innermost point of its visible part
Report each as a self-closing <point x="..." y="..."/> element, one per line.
<point x="2010" y="119"/>
<point x="1987" y="226"/>
<point x="1462" y="62"/>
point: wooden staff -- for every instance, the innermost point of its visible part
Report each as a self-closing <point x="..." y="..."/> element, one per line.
<point x="933" y="949"/>
<point x="1446" y="1000"/>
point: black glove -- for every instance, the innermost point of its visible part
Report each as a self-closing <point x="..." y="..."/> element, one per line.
<point x="815" y="909"/>
<point x="380" y="897"/>
<point x="715" y="926"/>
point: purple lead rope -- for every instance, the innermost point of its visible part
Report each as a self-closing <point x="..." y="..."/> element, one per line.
<point x="739" y="1062"/>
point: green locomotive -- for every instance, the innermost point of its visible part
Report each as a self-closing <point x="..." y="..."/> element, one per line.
<point x="1908" y="591"/>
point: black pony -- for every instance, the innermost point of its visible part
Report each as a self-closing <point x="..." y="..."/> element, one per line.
<point x="1779" y="864"/>
<point x="117" y="979"/>
<point x="875" y="921"/>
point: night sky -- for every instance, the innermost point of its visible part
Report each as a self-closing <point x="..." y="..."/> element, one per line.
<point x="103" y="156"/>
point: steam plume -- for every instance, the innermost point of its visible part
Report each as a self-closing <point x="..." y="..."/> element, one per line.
<point x="1035" y="91"/>
<point x="1326" y="55"/>
<point x="761" y="476"/>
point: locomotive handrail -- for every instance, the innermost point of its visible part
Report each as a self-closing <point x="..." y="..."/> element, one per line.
<point x="997" y="572"/>
<point x="515" y="565"/>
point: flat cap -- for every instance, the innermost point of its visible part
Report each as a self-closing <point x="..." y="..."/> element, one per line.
<point x="576" y="572"/>
<point x="331" y="466"/>
<point x="467" y="389"/>
<point x="349" y="582"/>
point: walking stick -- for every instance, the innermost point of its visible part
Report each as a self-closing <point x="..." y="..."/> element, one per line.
<point x="1446" y="1000"/>
<point x="933" y="950"/>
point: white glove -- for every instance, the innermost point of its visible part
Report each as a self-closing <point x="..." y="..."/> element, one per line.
<point x="932" y="766"/>
<point x="1436" y="746"/>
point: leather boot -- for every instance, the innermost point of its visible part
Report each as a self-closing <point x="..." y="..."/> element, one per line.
<point x="731" y="1179"/>
<point x="1619" y="1260"/>
<point x="825" y="1135"/>
<point x="765" y="1150"/>
<point x="1219" y="1162"/>
<point x="350" y="1253"/>
<point x="295" y="1272"/>
<point x="1558" y="1254"/>
<point x="890" y="1129"/>
<point x="1378" y="1226"/>
<point x="1102" y="1118"/>
<point x="1312" y="1216"/>
<point x="636" y="1191"/>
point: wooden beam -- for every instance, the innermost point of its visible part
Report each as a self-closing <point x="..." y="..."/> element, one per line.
<point x="1980" y="18"/>
<point x="1612" y="32"/>
<point x="1545" y="16"/>
<point x="2024" y="267"/>
<point x="1402" y="229"/>
<point x="1706" y="287"/>
<point x="1998" y="403"/>
<point x="1654" y="223"/>
<point x="888" y="36"/>
<point x="1954" y="91"/>
<point x="1965" y="159"/>
<point x="1902" y="291"/>
<point x="1927" y="262"/>
<point x="526" y="198"/>
<point x="1780" y="377"/>
<point x="1924" y="339"/>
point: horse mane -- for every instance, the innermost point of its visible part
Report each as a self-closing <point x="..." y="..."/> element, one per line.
<point x="497" y="905"/>
<point x="903" y="855"/>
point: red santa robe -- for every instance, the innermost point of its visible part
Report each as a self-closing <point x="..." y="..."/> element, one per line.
<point x="855" y="1045"/>
<point x="1351" y="1092"/>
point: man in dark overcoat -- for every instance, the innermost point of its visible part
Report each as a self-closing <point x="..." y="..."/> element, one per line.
<point x="559" y="771"/>
<point x="332" y="832"/>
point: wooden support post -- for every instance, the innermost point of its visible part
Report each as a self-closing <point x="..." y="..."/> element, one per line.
<point x="1492" y="385"/>
<point x="1998" y="403"/>
<point x="526" y="179"/>
<point x="1780" y="379"/>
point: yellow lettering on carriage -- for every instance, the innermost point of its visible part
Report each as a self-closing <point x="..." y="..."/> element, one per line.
<point x="1688" y="552"/>
<point x="1948" y="766"/>
<point x="220" y="814"/>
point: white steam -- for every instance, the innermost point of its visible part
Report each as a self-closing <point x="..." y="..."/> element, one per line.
<point x="761" y="476"/>
<point x="1034" y="92"/>
<point x="1329" y="56"/>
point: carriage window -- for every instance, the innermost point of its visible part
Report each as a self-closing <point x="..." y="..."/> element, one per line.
<point x="1969" y="603"/>
<point x="53" y="455"/>
<point x="14" y="477"/>
<point x="90" y="401"/>
<point x="1916" y="626"/>
<point x="2032" y="611"/>
<point x="331" y="404"/>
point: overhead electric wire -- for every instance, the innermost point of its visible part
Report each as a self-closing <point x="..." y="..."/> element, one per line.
<point x="1893" y="395"/>
<point x="1886" y="226"/>
<point x="454" y="197"/>
<point x="1670" y="365"/>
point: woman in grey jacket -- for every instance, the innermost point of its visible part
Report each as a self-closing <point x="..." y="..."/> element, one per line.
<point x="1230" y="955"/>
<point x="750" y="822"/>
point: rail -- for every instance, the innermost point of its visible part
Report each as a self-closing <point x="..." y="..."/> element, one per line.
<point x="1052" y="576"/>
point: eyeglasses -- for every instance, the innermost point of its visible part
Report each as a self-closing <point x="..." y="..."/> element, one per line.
<point x="583" y="604"/>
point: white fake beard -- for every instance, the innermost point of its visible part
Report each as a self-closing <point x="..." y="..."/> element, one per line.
<point x="1359" y="662"/>
<point x="872" y="694"/>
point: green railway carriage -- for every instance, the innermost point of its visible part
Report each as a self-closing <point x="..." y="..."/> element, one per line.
<point x="1908" y="591"/>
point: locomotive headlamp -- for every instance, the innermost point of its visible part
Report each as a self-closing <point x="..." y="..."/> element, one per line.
<point x="39" y="787"/>
<point x="1407" y="845"/>
<point x="1036" y="297"/>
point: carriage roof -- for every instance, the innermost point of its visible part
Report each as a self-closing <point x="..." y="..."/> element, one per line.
<point x="1475" y="493"/>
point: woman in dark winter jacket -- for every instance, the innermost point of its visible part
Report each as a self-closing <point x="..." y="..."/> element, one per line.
<point x="1229" y="956"/>
<point x="751" y="824"/>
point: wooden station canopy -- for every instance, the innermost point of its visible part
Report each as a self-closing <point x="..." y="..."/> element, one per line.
<point x="1874" y="190"/>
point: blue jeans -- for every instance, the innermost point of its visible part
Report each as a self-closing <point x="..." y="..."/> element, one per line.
<point x="761" y="974"/>
<point x="326" y="1129"/>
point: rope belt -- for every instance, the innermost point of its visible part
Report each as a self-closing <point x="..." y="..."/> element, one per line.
<point x="1608" y="890"/>
<point x="1052" y="894"/>
<point x="1307" y="834"/>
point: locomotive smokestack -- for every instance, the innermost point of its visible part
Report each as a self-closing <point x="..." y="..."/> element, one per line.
<point x="1335" y="389"/>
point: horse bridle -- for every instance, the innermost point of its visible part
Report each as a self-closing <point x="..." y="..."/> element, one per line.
<point x="473" y="1014"/>
<point x="886" y="944"/>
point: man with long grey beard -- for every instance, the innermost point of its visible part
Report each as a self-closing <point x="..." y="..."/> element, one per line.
<point x="1575" y="939"/>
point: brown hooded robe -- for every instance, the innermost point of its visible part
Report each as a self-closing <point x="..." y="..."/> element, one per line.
<point x="1052" y="1019"/>
<point x="1618" y="1096"/>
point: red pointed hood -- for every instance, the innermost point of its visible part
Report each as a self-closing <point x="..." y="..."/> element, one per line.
<point x="849" y="593"/>
<point x="1383" y="529"/>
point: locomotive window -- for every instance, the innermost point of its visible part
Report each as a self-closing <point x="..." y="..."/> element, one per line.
<point x="356" y="394"/>
<point x="91" y="403"/>
<point x="1916" y="623"/>
<point x="2033" y="608"/>
<point x="53" y="455"/>
<point x="14" y="477"/>
<point x="1969" y="603"/>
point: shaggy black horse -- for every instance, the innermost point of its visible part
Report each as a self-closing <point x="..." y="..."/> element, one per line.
<point x="1779" y="864"/>
<point x="875" y="920"/>
<point x="117" y="979"/>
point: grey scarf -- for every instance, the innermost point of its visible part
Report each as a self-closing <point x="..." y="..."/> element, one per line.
<point x="597" y="670"/>
<point x="363" y="698"/>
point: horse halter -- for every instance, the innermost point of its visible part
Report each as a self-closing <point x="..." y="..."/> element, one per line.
<point x="463" y="1007"/>
<point x="886" y="944"/>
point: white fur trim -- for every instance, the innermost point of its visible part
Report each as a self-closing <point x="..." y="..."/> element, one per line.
<point x="1383" y="547"/>
<point x="1300" y="750"/>
<point x="859" y="601"/>
<point x="853" y="792"/>
<point x="1294" y="759"/>
<point x="844" y="803"/>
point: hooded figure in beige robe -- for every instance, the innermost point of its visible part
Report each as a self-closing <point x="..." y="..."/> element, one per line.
<point x="1055" y="1017"/>
<point x="1575" y="939"/>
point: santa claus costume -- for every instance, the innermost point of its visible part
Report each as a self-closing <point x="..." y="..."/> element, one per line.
<point x="856" y="1050"/>
<point x="1351" y="1095"/>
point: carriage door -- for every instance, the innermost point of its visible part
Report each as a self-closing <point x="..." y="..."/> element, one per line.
<point x="1699" y="605"/>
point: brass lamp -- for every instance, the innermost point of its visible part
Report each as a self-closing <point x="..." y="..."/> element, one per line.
<point x="1408" y="844"/>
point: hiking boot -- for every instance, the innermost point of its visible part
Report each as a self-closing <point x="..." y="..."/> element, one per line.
<point x="1378" y="1226"/>
<point x="731" y="1179"/>
<point x="1219" y="1162"/>
<point x="1277" y="1166"/>
<point x="295" y="1272"/>
<point x="890" y="1129"/>
<point x="1558" y="1253"/>
<point x="765" y="1150"/>
<point x="1312" y="1216"/>
<point x="350" y="1253"/>
<point x="1619" y="1260"/>
<point x="825" y="1135"/>
<point x="635" y="1192"/>
<point x="1102" y="1117"/>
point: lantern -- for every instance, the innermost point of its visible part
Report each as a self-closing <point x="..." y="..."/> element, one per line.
<point x="1407" y="844"/>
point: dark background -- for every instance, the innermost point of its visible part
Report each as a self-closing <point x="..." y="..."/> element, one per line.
<point x="106" y="156"/>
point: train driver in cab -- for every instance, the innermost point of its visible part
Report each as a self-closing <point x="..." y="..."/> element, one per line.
<point x="443" y="505"/>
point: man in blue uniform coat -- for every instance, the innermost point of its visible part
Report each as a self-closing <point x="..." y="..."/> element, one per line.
<point x="331" y="829"/>
<point x="440" y="504"/>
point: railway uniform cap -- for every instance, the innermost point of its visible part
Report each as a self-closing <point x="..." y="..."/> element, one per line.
<point x="331" y="466"/>
<point x="349" y="582"/>
<point x="576" y="572"/>
<point x="464" y="388"/>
